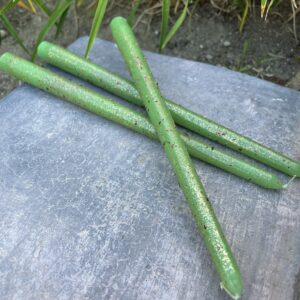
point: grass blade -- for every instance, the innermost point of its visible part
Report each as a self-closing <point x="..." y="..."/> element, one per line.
<point x="101" y="7"/>
<point x="131" y="17"/>
<point x="32" y="6"/>
<point x="164" y="22"/>
<point x="268" y="9"/>
<point x="56" y="14"/>
<point x="263" y="6"/>
<point x="8" y="6"/>
<point x="244" y="17"/>
<point x="27" y="7"/>
<point x="176" y="26"/>
<point x="43" y="7"/>
<point x="10" y="28"/>
<point x="61" y="22"/>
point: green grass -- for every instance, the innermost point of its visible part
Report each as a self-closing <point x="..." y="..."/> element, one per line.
<point x="12" y="31"/>
<point x="8" y="5"/>
<point x="181" y="8"/>
<point x="133" y="12"/>
<point x="176" y="26"/>
<point x="100" y="11"/>
<point x="165" y="14"/>
<point x="57" y="13"/>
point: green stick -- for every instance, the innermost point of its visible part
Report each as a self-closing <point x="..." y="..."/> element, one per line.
<point x="125" y="89"/>
<point x="100" y="105"/>
<point x="176" y="151"/>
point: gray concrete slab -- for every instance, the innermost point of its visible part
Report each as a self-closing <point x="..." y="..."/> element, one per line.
<point x="91" y="210"/>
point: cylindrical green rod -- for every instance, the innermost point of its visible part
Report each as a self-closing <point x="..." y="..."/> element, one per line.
<point x="125" y="89"/>
<point x="176" y="151"/>
<point x="100" y="105"/>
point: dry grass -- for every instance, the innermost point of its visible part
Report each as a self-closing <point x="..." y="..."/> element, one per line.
<point x="148" y="7"/>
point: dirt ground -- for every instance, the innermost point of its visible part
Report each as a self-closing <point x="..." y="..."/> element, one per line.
<point x="266" y="49"/>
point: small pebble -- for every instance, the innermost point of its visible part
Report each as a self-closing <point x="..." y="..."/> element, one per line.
<point x="226" y="44"/>
<point x="209" y="57"/>
<point x="3" y="33"/>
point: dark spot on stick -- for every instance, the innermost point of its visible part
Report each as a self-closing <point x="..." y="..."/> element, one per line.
<point x="165" y="143"/>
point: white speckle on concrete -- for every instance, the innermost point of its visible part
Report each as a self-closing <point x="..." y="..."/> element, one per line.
<point x="3" y="33"/>
<point x="83" y="234"/>
<point x="226" y="44"/>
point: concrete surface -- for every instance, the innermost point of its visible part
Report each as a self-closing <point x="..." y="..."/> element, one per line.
<point x="90" y="210"/>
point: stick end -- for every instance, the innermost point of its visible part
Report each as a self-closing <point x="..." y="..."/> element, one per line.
<point x="118" y="21"/>
<point x="5" y="59"/>
<point x="43" y="48"/>
<point x="233" y="289"/>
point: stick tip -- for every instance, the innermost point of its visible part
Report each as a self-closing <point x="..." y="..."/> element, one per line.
<point x="5" y="55"/>
<point x="5" y="59"/>
<point x="234" y="288"/>
<point x="276" y="184"/>
<point x="118" y="21"/>
<point x="297" y="171"/>
<point x="43" y="48"/>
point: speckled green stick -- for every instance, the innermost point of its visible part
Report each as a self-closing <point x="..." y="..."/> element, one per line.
<point x="84" y="69"/>
<point x="125" y="89"/>
<point x="176" y="151"/>
<point x="100" y="105"/>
